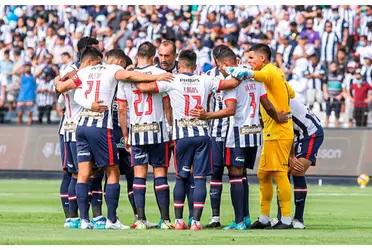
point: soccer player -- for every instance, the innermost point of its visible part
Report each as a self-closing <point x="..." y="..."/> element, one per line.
<point x="69" y="127"/>
<point x="278" y="138"/>
<point x="192" y="142"/>
<point x="243" y="135"/>
<point x="167" y="55"/>
<point x="117" y="56"/>
<point x="94" y="131"/>
<point x="218" y="129"/>
<point x="308" y="138"/>
<point x="148" y="137"/>
<point x="66" y="177"/>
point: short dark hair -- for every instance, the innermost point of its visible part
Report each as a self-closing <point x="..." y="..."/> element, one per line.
<point x="66" y="54"/>
<point x="217" y="50"/>
<point x="128" y="61"/>
<point x="189" y="56"/>
<point x="171" y="43"/>
<point x="262" y="48"/>
<point x="226" y="53"/>
<point x="85" y="42"/>
<point x="115" y="53"/>
<point x="147" y="50"/>
<point x="90" y="52"/>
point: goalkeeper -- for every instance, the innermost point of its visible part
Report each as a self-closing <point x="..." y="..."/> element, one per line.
<point x="278" y="138"/>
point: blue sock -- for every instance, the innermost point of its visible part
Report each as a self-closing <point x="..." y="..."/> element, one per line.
<point x="246" y="197"/>
<point x="216" y="190"/>
<point x="72" y="200"/>
<point x="139" y="191"/>
<point x="200" y="193"/>
<point x="179" y="195"/>
<point x="82" y="200"/>
<point x="63" y="192"/>
<point x="130" y="179"/>
<point x="96" y="189"/>
<point x="162" y="193"/>
<point x="190" y="187"/>
<point x="112" y="200"/>
<point x="300" y="193"/>
<point x="237" y="192"/>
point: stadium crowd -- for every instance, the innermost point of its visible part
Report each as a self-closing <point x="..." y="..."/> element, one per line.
<point x="325" y="51"/>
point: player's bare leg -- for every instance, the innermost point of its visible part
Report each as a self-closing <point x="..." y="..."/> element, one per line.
<point x="162" y="196"/>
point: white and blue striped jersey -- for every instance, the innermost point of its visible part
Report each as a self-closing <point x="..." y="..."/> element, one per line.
<point x="72" y="109"/>
<point x="187" y="92"/>
<point x="146" y="114"/>
<point x="244" y="128"/>
<point x="314" y="83"/>
<point x="98" y="83"/>
<point x="61" y="103"/>
<point x="218" y="127"/>
<point x="328" y="50"/>
<point x="305" y="123"/>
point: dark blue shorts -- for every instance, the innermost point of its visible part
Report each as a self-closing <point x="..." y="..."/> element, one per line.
<point x="217" y="148"/>
<point x="123" y="155"/>
<point x="71" y="161"/>
<point x="193" y="152"/>
<point x="241" y="157"/>
<point x="154" y="154"/>
<point x="308" y="147"/>
<point x="62" y="151"/>
<point x="96" y="145"/>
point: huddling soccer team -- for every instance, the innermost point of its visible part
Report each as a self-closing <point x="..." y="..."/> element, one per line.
<point x="120" y="117"/>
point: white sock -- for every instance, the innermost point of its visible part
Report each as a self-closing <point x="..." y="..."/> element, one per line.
<point x="264" y="219"/>
<point x="286" y="220"/>
<point x="216" y="219"/>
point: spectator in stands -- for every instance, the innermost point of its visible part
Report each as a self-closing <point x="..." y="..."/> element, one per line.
<point x="313" y="36"/>
<point x="360" y="90"/>
<point x="348" y="81"/>
<point x="315" y="73"/>
<point x="27" y="95"/>
<point x="333" y="92"/>
<point x="329" y="43"/>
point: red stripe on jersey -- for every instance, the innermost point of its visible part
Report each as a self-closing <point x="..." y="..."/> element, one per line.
<point x="121" y="100"/>
<point x="228" y="156"/>
<point x="156" y="88"/>
<point x="167" y="154"/>
<point x="311" y="146"/>
<point x="110" y="148"/>
<point x="96" y="97"/>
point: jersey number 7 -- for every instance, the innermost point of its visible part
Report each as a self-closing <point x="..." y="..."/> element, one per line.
<point x="90" y="88"/>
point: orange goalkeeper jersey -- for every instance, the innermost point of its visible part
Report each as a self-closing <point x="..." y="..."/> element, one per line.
<point x="279" y="93"/>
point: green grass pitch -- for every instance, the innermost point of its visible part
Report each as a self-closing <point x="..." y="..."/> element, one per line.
<point x="30" y="213"/>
